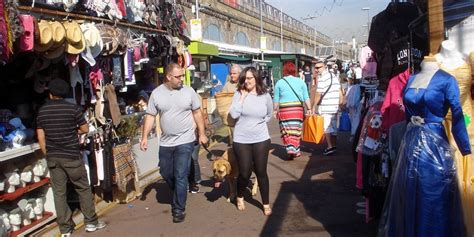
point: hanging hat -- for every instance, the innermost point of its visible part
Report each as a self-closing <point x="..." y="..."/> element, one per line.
<point x="27" y="39"/>
<point x="109" y="37"/>
<point x="94" y="43"/>
<point x="74" y="37"/>
<point x="39" y="64"/>
<point x="43" y="36"/>
<point x="59" y="38"/>
<point x="16" y="122"/>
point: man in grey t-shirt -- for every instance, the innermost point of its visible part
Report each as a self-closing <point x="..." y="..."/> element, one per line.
<point x="177" y="106"/>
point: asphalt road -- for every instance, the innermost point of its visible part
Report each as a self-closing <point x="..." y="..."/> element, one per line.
<point x="311" y="196"/>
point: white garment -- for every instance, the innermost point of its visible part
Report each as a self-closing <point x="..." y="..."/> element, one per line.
<point x="358" y="72"/>
<point x="85" y="155"/>
<point x="99" y="162"/>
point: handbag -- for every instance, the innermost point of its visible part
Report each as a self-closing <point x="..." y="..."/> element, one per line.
<point x="344" y="122"/>
<point x="313" y="129"/>
<point x="124" y="164"/>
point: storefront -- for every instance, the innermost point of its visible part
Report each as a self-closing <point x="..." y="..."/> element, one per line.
<point x="111" y="66"/>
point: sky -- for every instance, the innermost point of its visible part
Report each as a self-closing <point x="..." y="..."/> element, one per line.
<point x="339" y="19"/>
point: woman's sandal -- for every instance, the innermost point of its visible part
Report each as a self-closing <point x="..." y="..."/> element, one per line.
<point x="240" y="204"/>
<point x="267" y="210"/>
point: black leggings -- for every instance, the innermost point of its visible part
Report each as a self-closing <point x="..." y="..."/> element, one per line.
<point x="253" y="156"/>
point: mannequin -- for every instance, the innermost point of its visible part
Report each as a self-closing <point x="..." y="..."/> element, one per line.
<point x="453" y="62"/>
<point x="2" y="185"/>
<point x="26" y="176"/>
<point x="13" y="180"/>
<point x="38" y="208"/>
<point x="4" y="217"/>
<point x="39" y="170"/>
<point x="449" y="56"/>
<point x="429" y="67"/>
<point x="15" y="219"/>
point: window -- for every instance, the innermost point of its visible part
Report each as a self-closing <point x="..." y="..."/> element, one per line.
<point x="289" y="48"/>
<point x="276" y="45"/>
<point x="241" y="39"/>
<point x="212" y="32"/>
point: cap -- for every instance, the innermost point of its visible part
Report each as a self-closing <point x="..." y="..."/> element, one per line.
<point x="58" y="87"/>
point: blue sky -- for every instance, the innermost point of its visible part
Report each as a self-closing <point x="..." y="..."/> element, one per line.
<point x="343" y="21"/>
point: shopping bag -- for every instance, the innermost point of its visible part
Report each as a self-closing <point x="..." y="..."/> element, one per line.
<point x="344" y="122"/>
<point x="223" y="103"/>
<point x="313" y="129"/>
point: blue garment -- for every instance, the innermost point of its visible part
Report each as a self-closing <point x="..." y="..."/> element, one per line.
<point x="284" y="94"/>
<point x="423" y="197"/>
<point x="174" y="168"/>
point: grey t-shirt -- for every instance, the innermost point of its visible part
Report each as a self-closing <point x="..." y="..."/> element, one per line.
<point x="175" y="108"/>
<point x="252" y="117"/>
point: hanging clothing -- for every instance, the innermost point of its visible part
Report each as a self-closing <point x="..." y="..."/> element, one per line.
<point x="290" y="116"/>
<point x="393" y="110"/>
<point x="367" y="62"/>
<point x="464" y="164"/>
<point x="423" y="194"/>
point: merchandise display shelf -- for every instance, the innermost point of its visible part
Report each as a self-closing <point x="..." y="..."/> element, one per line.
<point x="16" y="152"/>
<point x="25" y="230"/>
<point x="20" y="191"/>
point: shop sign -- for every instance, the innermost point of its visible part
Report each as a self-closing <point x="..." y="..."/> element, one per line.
<point x="196" y="30"/>
<point x="263" y="43"/>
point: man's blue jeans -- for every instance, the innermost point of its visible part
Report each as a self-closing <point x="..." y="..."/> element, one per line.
<point x="174" y="168"/>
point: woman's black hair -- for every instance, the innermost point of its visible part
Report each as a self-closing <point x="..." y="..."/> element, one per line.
<point x="260" y="87"/>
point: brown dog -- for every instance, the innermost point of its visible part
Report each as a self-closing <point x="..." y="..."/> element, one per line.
<point x="226" y="167"/>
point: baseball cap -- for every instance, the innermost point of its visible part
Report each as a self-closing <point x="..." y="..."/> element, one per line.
<point x="58" y="87"/>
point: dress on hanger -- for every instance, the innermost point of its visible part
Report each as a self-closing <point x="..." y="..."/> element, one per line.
<point x="464" y="164"/>
<point x="423" y="197"/>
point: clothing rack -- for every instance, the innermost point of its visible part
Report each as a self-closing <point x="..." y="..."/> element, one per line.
<point x="42" y="11"/>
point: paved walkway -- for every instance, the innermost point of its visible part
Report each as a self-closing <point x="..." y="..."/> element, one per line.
<point x="311" y="196"/>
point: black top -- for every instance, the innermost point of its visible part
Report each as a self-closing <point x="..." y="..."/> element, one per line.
<point x="60" y="121"/>
<point x="307" y="77"/>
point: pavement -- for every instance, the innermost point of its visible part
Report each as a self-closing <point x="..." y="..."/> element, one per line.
<point x="313" y="195"/>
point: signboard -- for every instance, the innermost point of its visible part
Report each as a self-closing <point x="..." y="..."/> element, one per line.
<point x="196" y="30"/>
<point x="263" y="43"/>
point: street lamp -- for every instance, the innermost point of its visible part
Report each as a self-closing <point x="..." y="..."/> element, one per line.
<point x="368" y="17"/>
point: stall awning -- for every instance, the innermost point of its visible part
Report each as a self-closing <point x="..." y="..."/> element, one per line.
<point x="200" y="48"/>
<point x="231" y="59"/>
<point x="288" y="57"/>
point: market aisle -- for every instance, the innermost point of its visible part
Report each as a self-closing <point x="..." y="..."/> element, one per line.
<point x="313" y="196"/>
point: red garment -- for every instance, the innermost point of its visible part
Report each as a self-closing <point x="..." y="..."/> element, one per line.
<point x="393" y="110"/>
<point x="121" y="8"/>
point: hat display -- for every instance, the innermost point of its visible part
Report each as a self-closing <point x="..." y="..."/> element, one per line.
<point x="74" y="37"/>
<point x="59" y="37"/>
<point x="16" y="122"/>
<point x="94" y="43"/>
<point x="27" y="39"/>
<point x="58" y="87"/>
<point x="38" y="65"/>
<point x="43" y="36"/>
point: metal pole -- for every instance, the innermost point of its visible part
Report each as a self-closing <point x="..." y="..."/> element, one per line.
<point x="261" y="27"/>
<point x="303" y="40"/>
<point x="281" y="29"/>
<point x="197" y="9"/>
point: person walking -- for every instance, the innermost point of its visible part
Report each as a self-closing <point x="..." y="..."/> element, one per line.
<point x="252" y="108"/>
<point x="328" y="97"/>
<point x="308" y="77"/>
<point x="231" y="85"/>
<point x="194" y="177"/>
<point x="177" y="105"/>
<point x="58" y="125"/>
<point x="290" y="97"/>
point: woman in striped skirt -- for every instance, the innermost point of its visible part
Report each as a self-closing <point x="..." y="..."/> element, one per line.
<point x="290" y="97"/>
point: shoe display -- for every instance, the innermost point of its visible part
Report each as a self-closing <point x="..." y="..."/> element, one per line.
<point x="98" y="226"/>
<point x="194" y="188"/>
<point x="329" y="151"/>
<point x="179" y="218"/>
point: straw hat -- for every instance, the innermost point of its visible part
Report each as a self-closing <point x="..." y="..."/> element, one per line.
<point x="75" y="42"/>
<point x="43" y="36"/>
<point x="59" y="37"/>
<point x="109" y="36"/>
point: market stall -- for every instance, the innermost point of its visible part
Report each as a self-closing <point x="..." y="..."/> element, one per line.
<point x="110" y="55"/>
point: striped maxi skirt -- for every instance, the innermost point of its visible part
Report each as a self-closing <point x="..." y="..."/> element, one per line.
<point x="291" y="125"/>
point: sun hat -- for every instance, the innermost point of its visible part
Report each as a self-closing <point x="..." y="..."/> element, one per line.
<point x="27" y="39"/>
<point x="59" y="38"/>
<point x="94" y="43"/>
<point x="43" y="36"/>
<point x="74" y="37"/>
<point x="39" y="64"/>
<point x="58" y="87"/>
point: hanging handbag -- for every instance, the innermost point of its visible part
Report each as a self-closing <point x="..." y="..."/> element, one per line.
<point x="124" y="164"/>
<point x="313" y="129"/>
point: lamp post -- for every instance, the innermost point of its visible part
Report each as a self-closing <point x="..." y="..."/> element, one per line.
<point x="368" y="17"/>
<point x="261" y="27"/>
